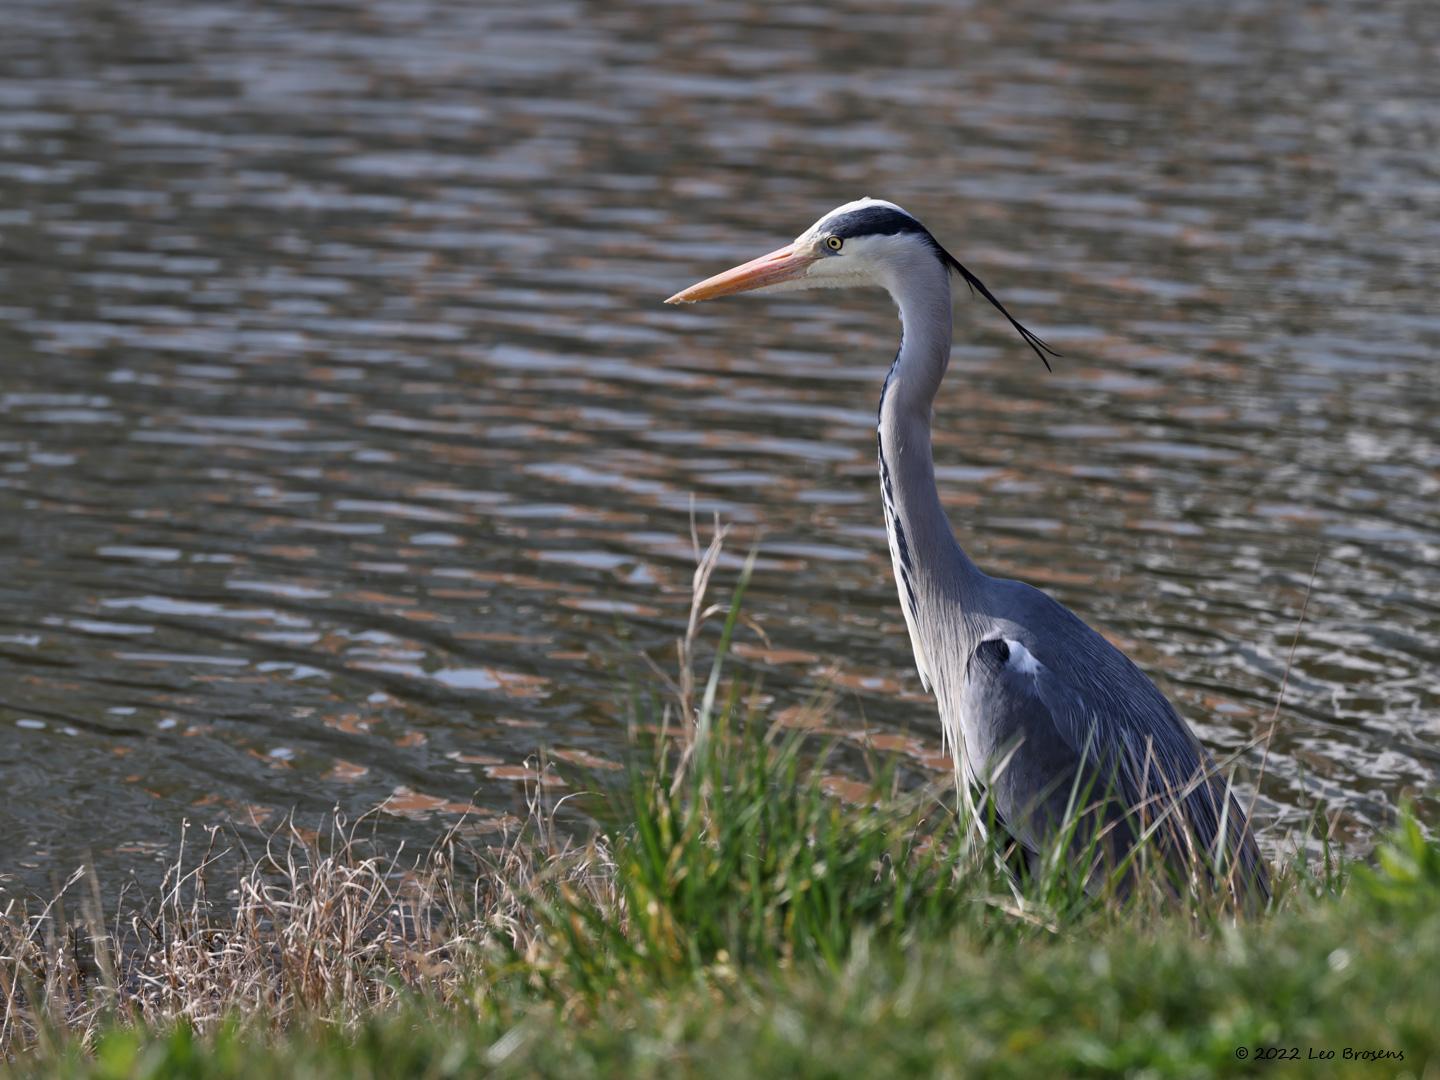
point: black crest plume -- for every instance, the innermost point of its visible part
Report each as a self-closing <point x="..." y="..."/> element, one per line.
<point x="976" y="285"/>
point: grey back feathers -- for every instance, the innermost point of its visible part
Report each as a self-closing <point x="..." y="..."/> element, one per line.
<point x="1085" y="728"/>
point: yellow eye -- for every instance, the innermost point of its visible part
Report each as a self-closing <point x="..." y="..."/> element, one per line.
<point x="834" y="243"/>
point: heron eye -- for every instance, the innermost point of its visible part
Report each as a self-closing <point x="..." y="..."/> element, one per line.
<point x="834" y="243"/>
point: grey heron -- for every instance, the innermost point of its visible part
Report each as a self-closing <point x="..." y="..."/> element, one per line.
<point x="1035" y="705"/>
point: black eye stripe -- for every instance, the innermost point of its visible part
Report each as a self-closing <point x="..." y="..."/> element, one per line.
<point x="872" y="221"/>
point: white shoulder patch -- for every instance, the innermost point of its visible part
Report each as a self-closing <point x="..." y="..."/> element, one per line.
<point x="1021" y="658"/>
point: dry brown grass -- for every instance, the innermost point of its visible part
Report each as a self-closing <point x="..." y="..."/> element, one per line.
<point x="317" y="925"/>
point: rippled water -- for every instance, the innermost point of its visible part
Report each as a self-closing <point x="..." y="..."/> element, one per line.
<point x="347" y="452"/>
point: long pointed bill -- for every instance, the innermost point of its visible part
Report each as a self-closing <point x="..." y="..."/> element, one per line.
<point x="781" y="265"/>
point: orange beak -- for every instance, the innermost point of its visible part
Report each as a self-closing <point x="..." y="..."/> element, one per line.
<point x="781" y="265"/>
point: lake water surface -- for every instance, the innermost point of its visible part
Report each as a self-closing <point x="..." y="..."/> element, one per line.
<point x="347" y="452"/>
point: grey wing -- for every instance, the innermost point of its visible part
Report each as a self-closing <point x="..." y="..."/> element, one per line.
<point x="1032" y="772"/>
<point x="1107" y="733"/>
<point x="1118" y="719"/>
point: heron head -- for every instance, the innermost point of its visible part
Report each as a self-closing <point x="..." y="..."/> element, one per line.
<point x="860" y="243"/>
<point x="865" y="242"/>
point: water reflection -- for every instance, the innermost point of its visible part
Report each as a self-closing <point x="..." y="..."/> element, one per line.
<point x="347" y="454"/>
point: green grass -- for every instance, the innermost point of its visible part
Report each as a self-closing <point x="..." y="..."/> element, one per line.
<point x="741" y="922"/>
<point x="729" y="918"/>
<point x="955" y="988"/>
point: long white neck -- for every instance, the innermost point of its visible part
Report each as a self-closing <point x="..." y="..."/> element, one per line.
<point x="927" y="545"/>
<point x="940" y="589"/>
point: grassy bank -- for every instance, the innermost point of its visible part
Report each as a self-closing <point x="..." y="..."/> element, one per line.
<point x="839" y="948"/>
<point x="1355" y="977"/>
<point x="728" y="917"/>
